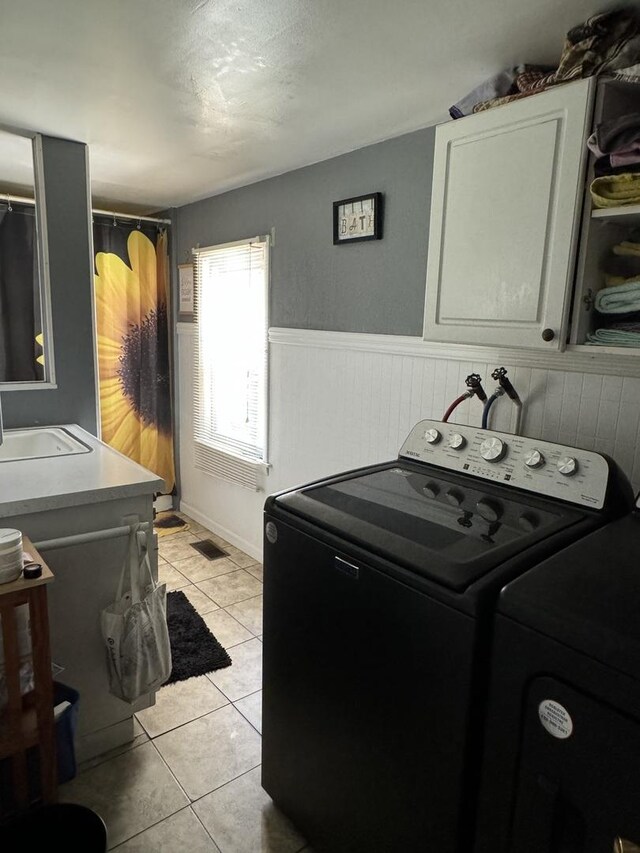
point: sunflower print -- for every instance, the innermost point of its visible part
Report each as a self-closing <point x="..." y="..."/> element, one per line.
<point x="40" y="343"/>
<point x="133" y="354"/>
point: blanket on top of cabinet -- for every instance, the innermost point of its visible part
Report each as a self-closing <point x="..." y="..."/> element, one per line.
<point x="604" y="43"/>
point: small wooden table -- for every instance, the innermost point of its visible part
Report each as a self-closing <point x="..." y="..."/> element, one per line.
<point x="28" y="720"/>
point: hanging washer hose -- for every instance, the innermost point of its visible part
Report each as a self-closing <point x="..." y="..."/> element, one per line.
<point x="474" y="384"/>
<point x="487" y="406"/>
<point x="517" y="402"/>
<point x="455" y="405"/>
<point x="504" y="387"/>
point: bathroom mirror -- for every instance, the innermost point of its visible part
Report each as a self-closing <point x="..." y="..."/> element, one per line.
<point x="26" y="332"/>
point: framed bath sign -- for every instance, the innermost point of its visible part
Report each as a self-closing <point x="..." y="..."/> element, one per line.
<point x="357" y="219"/>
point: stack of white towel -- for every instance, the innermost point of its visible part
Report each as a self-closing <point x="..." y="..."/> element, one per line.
<point x="618" y="305"/>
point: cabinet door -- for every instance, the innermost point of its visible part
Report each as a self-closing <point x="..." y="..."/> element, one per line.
<point x="507" y="192"/>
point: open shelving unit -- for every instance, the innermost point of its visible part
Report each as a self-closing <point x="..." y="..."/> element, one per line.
<point x="628" y="214"/>
<point x="27" y="721"/>
<point x="602" y="228"/>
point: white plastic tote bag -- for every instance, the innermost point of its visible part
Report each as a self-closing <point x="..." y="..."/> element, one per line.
<point x="134" y="627"/>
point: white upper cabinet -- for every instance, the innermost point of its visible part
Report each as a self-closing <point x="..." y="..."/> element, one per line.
<point x="508" y="186"/>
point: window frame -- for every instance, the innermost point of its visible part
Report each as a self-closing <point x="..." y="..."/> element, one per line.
<point x="206" y="452"/>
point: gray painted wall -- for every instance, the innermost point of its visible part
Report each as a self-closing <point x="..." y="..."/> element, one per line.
<point x="71" y="271"/>
<point x="375" y="286"/>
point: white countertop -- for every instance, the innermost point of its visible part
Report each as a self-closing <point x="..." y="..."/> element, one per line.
<point x="34" y="485"/>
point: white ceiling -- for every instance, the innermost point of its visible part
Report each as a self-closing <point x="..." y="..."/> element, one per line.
<point x="182" y="99"/>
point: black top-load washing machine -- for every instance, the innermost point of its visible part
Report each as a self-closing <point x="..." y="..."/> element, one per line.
<point x="562" y="759"/>
<point x="379" y="592"/>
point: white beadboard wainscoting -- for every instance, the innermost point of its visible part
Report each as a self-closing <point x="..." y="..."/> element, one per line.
<point x="340" y="400"/>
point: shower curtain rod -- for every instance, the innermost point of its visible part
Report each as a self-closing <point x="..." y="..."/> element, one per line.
<point x="131" y="216"/>
<point x="22" y="200"/>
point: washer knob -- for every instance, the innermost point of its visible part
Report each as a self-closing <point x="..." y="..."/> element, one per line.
<point x="431" y="490"/>
<point x="567" y="465"/>
<point x="489" y="510"/>
<point x="457" y="441"/>
<point x="455" y="497"/>
<point x="534" y="459"/>
<point x="432" y="436"/>
<point x="493" y="449"/>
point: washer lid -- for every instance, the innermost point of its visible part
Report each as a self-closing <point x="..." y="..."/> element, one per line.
<point x="586" y="597"/>
<point x="450" y="529"/>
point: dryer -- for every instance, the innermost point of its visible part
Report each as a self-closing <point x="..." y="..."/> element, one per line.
<point x="562" y="755"/>
<point x="379" y="591"/>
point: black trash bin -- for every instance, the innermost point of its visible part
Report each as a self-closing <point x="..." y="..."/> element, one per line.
<point x="77" y="828"/>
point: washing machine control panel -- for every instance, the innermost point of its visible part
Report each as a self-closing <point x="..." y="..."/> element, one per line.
<point x="571" y="474"/>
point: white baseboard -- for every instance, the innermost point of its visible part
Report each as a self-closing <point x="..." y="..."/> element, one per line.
<point x="229" y="535"/>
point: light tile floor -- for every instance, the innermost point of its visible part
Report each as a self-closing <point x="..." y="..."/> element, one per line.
<point x="191" y="777"/>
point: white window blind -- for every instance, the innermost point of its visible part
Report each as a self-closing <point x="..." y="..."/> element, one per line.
<point x="231" y="360"/>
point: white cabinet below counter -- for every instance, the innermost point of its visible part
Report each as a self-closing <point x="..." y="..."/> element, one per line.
<point x="508" y="188"/>
<point x="76" y="500"/>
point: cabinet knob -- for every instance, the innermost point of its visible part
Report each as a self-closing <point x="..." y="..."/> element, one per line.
<point x="548" y="335"/>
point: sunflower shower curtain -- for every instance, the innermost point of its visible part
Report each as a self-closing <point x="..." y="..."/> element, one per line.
<point x="131" y="284"/>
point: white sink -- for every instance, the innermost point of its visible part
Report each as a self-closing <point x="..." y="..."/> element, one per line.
<point x="39" y="443"/>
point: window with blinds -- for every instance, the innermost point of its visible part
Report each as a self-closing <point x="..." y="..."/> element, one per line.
<point x="231" y="360"/>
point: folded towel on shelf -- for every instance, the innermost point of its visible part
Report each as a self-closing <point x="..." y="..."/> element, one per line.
<point x="623" y="265"/>
<point x="602" y="166"/>
<point x="624" y="327"/>
<point x="619" y="135"/>
<point x="616" y="155"/>
<point x="611" y="321"/>
<point x="616" y="190"/>
<point x="620" y="299"/>
<point x="627" y="157"/>
<point x="627" y="248"/>
<point x="617" y="280"/>
<point x="603" y="320"/>
<point x="613" y="338"/>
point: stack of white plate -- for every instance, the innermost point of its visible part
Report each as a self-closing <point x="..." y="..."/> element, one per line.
<point x="10" y="554"/>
